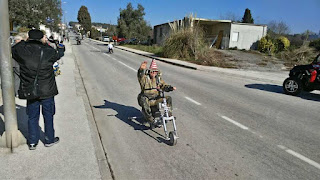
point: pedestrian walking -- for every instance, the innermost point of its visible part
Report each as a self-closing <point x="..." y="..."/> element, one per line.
<point x="38" y="85"/>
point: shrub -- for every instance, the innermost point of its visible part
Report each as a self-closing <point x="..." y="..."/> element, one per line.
<point x="266" y="45"/>
<point x="302" y="55"/>
<point x="185" y="42"/>
<point x="315" y="44"/>
<point x="282" y="43"/>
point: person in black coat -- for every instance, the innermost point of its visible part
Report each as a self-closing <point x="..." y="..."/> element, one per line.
<point x="27" y="54"/>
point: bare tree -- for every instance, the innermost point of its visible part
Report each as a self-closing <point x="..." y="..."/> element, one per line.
<point x="230" y="16"/>
<point x="278" y="28"/>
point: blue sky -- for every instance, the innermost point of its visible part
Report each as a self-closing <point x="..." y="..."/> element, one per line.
<point x="299" y="15"/>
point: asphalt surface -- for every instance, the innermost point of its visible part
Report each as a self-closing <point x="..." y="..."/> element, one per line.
<point x="230" y="127"/>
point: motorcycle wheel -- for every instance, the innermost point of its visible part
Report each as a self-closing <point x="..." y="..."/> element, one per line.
<point x="173" y="138"/>
<point x="292" y="86"/>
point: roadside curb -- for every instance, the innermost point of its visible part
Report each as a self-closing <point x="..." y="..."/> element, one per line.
<point x="157" y="58"/>
<point x="271" y="77"/>
<point x="153" y="57"/>
<point x="101" y="156"/>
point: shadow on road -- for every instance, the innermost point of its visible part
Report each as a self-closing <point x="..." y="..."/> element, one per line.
<point x="125" y="112"/>
<point x="102" y="44"/>
<point x="22" y="119"/>
<point x="278" y="89"/>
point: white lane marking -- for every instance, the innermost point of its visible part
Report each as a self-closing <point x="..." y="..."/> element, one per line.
<point x="106" y="54"/>
<point x="114" y="58"/>
<point x="235" y="123"/>
<point x="95" y="48"/>
<point x="303" y="158"/>
<point x="197" y="103"/>
<point x="127" y="66"/>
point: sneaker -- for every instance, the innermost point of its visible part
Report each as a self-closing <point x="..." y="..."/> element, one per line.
<point x="55" y="141"/>
<point x="32" y="146"/>
<point x="157" y="123"/>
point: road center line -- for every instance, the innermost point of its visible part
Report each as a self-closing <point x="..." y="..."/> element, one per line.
<point x="235" y="123"/>
<point x="106" y="54"/>
<point x="303" y="158"/>
<point x="93" y="46"/>
<point x="127" y="66"/>
<point x="197" y="103"/>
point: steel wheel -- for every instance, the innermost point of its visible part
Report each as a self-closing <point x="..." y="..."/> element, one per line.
<point x="292" y="86"/>
<point x="173" y="138"/>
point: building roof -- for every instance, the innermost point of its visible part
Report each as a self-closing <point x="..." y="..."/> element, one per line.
<point x="215" y="21"/>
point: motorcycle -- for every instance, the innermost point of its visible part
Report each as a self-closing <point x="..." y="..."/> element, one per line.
<point x="303" y="78"/>
<point x="162" y="116"/>
<point x="78" y="41"/>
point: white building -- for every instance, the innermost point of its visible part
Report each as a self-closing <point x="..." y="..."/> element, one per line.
<point x="221" y="33"/>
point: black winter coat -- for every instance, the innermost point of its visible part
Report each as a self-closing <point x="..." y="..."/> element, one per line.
<point x="27" y="54"/>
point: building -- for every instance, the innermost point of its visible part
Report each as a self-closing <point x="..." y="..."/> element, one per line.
<point x="220" y="33"/>
<point x="100" y="28"/>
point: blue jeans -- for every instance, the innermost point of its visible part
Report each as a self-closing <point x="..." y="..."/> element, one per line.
<point x="33" y="112"/>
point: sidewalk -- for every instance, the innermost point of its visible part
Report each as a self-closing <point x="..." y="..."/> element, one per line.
<point x="273" y="77"/>
<point x="77" y="155"/>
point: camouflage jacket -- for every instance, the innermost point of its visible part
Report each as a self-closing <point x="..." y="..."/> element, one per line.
<point x="149" y="86"/>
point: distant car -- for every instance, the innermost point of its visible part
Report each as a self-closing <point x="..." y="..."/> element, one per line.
<point x="133" y="41"/>
<point x="124" y="42"/>
<point x="106" y="39"/>
<point x="121" y="39"/>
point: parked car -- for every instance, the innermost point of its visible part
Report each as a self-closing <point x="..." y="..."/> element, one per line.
<point x="106" y="39"/>
<point x="120" y="39"/>
<point x="303" y="78"/>
<point x="130" y="41"/>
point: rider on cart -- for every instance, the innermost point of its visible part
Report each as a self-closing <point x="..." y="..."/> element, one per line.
<point x="151" y="82"/>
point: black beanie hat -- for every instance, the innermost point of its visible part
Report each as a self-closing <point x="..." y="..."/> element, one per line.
<point x="35" y="34"/>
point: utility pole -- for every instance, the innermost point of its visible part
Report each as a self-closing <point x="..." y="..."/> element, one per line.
<point x="12" y="137"/>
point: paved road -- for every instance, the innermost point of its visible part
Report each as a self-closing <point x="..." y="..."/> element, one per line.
<point x="229" y="127"/>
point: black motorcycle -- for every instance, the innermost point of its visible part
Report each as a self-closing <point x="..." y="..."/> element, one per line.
<point x="303" y="78"/>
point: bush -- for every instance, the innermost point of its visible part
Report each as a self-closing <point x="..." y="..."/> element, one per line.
<point x="282" y="43"/>
<point x="302" y="55"/>
<point x="266" y="45"/>
<point x="185" y="44"/>
<point x="315" y="44"/>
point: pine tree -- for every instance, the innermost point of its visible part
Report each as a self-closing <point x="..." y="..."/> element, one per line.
<point x="84" y="18"/>
<point x="247" y="18"/>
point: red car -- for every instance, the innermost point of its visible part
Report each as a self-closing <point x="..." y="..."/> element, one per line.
<point x="121" y="39"/>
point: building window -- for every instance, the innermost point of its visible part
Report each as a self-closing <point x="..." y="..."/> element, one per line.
<point x="235" y="36"/>
<point x="160" y="32"/>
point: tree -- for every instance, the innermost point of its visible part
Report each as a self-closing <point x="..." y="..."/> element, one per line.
<point x="131" y="23"/>
<point x="276" y="29"/>
<point x="84" y="18"/>
<point x="247" y="18"/>
<point x="28" y="13"/>
<point x="230" y="16"/>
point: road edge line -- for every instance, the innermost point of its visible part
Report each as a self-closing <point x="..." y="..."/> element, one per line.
<point x="100" y="150"/>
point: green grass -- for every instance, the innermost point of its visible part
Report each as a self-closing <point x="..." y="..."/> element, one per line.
<point x="157" y="50"/>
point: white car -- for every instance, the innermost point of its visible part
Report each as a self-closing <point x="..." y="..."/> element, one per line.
<point x="106" y="39"/>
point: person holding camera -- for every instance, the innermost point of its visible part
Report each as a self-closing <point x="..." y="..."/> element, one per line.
<point x="37" y="85"/>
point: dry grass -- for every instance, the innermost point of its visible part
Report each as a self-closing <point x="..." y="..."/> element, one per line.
<point x="302" y="55"/>
<point x="215" y="58"/>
